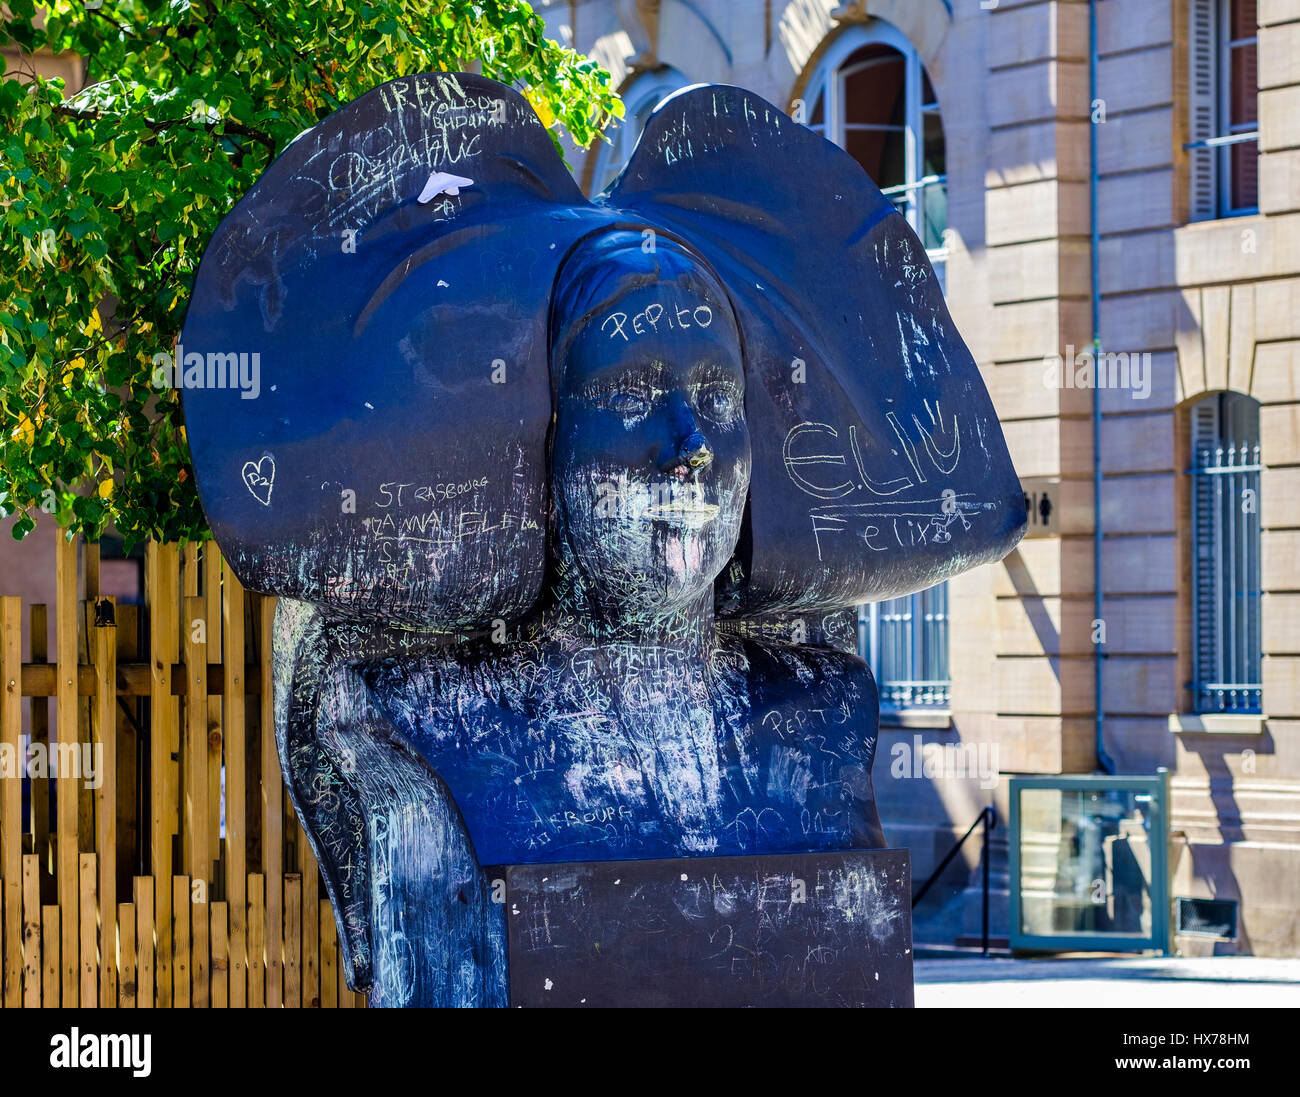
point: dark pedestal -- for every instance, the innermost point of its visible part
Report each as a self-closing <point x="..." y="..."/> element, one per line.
<point x="817" y="929"/>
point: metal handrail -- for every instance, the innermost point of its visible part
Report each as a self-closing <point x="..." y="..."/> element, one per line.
<point x="920" y="184"/>
<point x="989" y="817"/>
<point x="1227" y="139"/>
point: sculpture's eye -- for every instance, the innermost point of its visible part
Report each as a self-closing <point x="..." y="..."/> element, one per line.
<point x="719" y="402"/>
<point x="625" y="402"/>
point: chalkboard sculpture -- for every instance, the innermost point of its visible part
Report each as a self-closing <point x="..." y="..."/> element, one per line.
<point x="564" y="499"/>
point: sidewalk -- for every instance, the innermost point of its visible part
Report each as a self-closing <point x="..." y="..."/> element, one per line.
<point x="1222" y="981"/>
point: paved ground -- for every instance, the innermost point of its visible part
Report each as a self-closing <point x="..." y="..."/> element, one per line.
<point x="1222" y="982"/>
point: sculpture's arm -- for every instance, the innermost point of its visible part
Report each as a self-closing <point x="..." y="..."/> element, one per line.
<point x="310" y="703"/>
<point x="416" y="920"/>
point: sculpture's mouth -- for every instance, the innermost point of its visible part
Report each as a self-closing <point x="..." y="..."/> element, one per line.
<point x="687" y="514"/>
<point x="684" y="505"/>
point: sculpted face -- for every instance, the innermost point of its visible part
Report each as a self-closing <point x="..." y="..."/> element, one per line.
<point x="650" y="455"/>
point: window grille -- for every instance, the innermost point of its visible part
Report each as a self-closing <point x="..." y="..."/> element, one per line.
<point x="1226" y="554"/>
<point x="906" y="642"/>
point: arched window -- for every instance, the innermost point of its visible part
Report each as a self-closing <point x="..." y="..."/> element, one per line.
<point x="1226" y="628"/>
<point x="640" y="98"/>
<point x="872" y="96"/>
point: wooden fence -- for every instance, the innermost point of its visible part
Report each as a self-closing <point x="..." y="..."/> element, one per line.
<point x="148" y="854"/>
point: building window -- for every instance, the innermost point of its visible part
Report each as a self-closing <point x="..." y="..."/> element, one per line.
<point x="872" y="96"/>
<point x="1226" y="554"/>
<point x="906" y="642"/>
<point x="640" y="99"/>
<point x="1224" y="100"/>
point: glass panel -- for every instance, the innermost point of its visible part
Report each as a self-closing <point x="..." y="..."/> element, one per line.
<point x="934" y="155"/>
<point x="1243" y="105"/>
<point x="875" y="82"/>
<point x="1085" y="861"/>
<point x="1242" y="21"/>
<point x="1244" y="160"/>
<point x="934" y="197"/>
<point x="882" y="154"/>
<point x="818" y="116"/>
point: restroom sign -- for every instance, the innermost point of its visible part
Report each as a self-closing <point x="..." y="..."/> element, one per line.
<point x="1042" y="501"/>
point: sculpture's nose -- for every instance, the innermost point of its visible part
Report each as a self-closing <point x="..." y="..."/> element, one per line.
<point x="688" y="452"/>
<point x="695" y="452"/>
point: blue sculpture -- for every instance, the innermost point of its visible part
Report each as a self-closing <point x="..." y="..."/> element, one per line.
<point x="564" y="499"/>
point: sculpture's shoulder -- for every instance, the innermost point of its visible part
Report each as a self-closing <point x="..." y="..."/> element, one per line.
<point x="807" y="684"/>
<point x="809" y="729"/>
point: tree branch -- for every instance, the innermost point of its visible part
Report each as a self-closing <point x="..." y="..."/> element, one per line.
<point x="237" y="128"/>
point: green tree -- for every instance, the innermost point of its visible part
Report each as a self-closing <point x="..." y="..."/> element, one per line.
<point x="108" y="197"/>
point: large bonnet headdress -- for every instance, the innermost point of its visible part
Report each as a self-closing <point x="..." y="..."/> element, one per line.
<point x="393" y="272"/>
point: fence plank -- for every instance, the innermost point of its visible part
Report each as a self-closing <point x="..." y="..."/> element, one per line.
<point x="126" y="996"/>
<point x="131" y="814"/>
<point x="11" y="799"/>
<point x="67" y="786"/>
<point x="89" y="939"/>
<point x="272" y="816"/>
<point x="105" y="724"/>
<point x="181" y="942"/>
<point x="85" y="718"/>
<point x="329" y="957"/>
<point x="236" y="859"/>
<point x="38" y="637"/>
<point x="220" y="978"/>
<point x="162" y="581"/>
<point x="145" y="943"/>
<point x="256" y="942"/>
<point x="50" y="957"/>
<point x="212" y="614"/>
<point x="87" y="871"/>
<point x="310" y="926"/>
<point x="200" y="952"/>
<point x="293" y="941"/>
<point x="31" y="930"/>
<point x="190" y="574"/>
<point x="194" y="643"/>
<point x="87" y="799"/>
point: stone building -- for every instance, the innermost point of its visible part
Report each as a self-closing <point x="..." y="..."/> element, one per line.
<point x="978" y="117"/>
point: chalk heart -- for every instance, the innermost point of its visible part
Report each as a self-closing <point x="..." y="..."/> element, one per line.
<point x="259" y="478"/>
